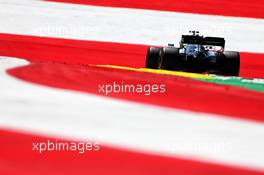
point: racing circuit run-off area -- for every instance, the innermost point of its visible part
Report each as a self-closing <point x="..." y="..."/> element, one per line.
<point x="78" y="94"/>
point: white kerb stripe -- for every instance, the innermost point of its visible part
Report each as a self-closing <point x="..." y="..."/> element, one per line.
<point x="40" y="18"/>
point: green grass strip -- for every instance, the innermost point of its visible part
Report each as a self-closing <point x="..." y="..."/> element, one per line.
<point x="253" y="84"/>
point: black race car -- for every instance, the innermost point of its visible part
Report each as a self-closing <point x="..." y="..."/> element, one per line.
<point x="196" y="54"/>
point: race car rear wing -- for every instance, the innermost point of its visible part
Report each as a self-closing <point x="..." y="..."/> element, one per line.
<point x="191" y="39"/>
<point x="196" y="39"/>
<point x="215" y="41"/>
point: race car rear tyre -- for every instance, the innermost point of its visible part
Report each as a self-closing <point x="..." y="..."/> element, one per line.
<point x="232" y="63"/>
<point x="152" y="58"/>
<point x="170" y="59"/>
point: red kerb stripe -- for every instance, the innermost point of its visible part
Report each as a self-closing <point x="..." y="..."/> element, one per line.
<point x="238" y="8"/>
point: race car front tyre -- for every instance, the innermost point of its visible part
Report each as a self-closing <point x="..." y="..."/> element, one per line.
<point x="170" y="59"/>
<point x="231" y="64"/>
<point x="152" y="58"/>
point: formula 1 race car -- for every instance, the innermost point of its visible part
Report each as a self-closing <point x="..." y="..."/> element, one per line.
<point x="197" y="54"/>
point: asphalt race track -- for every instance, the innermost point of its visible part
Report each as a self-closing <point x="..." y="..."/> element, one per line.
<point x="55" y="56"/>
